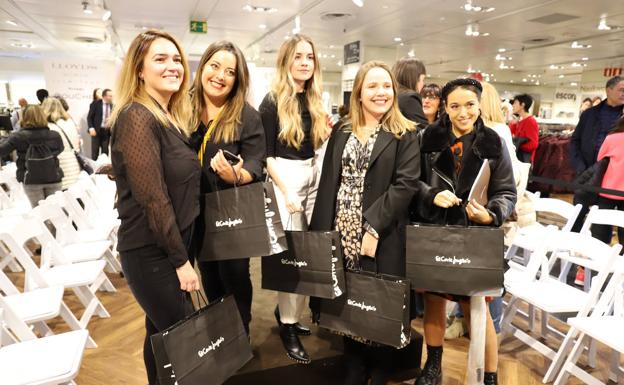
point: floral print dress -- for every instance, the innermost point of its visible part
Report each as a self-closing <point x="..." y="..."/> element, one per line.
<point x="355" y="160"/>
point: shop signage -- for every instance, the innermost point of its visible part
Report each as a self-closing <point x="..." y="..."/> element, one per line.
<point x="565" y="96"/>
<point x="352" y="53"/>
<point x="610" y="72"/>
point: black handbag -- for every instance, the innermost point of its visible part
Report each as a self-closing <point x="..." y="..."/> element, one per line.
<point x="83" y="162"/>
<point x="591" y="177"/>
<point x="455" y="259"/>
<point x="376" y="307"/>
<point x="311" y="266"/>
<point x="205" y="348"/>
<point x="242" y="222"/>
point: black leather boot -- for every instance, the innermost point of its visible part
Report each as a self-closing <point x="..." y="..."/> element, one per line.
<point x="490" y="378"/>
<point x="294" y="349"/>
<point x="301" y="330"/>
<point x="432" y="371"/>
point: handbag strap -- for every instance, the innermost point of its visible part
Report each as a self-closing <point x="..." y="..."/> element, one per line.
<point x="66" y="137"/>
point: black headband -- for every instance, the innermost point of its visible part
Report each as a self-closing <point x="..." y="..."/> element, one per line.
<point x="450" y="86"/>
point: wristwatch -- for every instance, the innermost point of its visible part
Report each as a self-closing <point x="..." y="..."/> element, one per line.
<point x="369" y="229"/>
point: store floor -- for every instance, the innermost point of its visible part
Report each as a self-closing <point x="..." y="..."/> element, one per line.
<point x="118" y="358"/>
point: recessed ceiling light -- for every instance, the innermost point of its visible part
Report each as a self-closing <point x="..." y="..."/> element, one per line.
<point x="584" y="58"/>
<point x="524" y="80"/>
<point x="85" y="8"/>
<point x="11" y="22"/>
<point x="385" y="6"/>
<point x="397" y="39"/>
<point x="561" y="76"/>
<point x="359" y="3"/>
<point x="262" y="26"/>
<point x="602" y="25"/>
<point x="573" y="84"/>
<point x="339" y="63"/>
<point x="411" y="53"/>
<point x="501" y="50"/>
<point x="575" y="64"/>
<point x="575" y="44"/>
<point x="511" y="81"/>
<point x="106" y="15"/>
<point x="512" y="67"/>
<point x="22" y="45"/>
<point x="253" y="8"/>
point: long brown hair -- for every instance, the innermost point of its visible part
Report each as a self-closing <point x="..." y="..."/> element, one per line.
<point x="284" y="93"/>
<point x="393" y="120"/>
<point x="230" y="117"/>
<point x="131" y="89"/>
<point x="407" y="72"/>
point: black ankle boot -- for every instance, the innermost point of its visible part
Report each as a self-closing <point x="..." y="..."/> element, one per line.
<point x="432" y="371"/>
<point x="294" y="349"/>
<point x="301" y="330"/>
<point x="490" y="378"/>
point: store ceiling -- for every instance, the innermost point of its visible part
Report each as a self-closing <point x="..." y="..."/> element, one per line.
<point x="534" y="34"/>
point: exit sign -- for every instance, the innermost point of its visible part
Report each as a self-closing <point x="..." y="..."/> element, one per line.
<point x="199" y="26"/>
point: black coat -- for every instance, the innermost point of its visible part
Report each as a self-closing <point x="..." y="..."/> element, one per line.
<point x="410" y="104"/>
<point x="391" y="181"/>
<point x="20" y="140"/>
<point x="94" y="117"/>
<point x="438" y="174"/>
<point x="583" y="150"/>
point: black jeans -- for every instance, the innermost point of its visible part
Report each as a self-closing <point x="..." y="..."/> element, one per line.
<point x="604" y="232"/>
<point x="229" y="277"/>
<point x="154" y="283"/>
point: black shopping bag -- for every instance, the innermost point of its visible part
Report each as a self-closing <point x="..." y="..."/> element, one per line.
<point x="311" y="266"/>
<point x="375" y="307"/>
<point x="206" y="348"/>
<point x="242" y="222"/>
<point x="455" y="259"/>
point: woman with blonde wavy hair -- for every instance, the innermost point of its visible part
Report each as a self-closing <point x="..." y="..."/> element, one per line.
<point x="295" y="127"/>
<point x="157" y="175"/>
<point x="370" y="173"/>
<point x="60" y="121"/>
<point x="224" y="121"/>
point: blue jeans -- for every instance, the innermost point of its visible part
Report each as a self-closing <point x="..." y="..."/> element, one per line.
<point x="496" y="310"/>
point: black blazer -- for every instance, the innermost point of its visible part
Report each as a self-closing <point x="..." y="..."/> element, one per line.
<point x="249" y="142"/>
<point x="391" y="181"/>
<point x="410" y="104"/>
<point x="94" y="117"/>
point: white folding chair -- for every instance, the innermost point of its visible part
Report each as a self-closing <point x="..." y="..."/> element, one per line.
<point x="83" y="278"/>
<point x="75" y="246"/>
<point x="552" y="296"/>
<point x="40" y="361"/>
<point x="604" y="325"/>
<point x="37" y="306"/>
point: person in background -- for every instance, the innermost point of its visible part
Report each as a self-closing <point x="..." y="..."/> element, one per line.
<point x="430" y="94"/>
<point x="99" y="124"/>
<point x="526" y="128"/>
<point x="452" y="151"/>
<point x="17" y="113"/>
<point x="296" y="129"/>
<point x="97" y="95"/>
<point x="42" y="94"/>
<point x="587" y="103"/>
<point x="596" y="100"/>
<point x="60" y="121"/>
<point x="410" y="75"/>
<point x="370" y="174"/>
<point x="157" y="176"/>
<point x="613" y="179"/>
<point x="224" y="121"/>
<point x="41" y="176"/>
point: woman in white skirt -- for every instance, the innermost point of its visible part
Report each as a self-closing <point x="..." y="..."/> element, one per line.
<point x="295" y="125"/>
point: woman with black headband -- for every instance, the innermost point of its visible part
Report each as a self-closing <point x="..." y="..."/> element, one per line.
<point x="452" y="151"/>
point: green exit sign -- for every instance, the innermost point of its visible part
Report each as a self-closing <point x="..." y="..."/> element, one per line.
<point x="199" y="26"/>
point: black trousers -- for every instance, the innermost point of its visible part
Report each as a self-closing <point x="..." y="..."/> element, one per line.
<point x="603" y="232"/>
<point x="99" y="142"/>
<point x="229" y="277"/>
<point x="155" y="286"/>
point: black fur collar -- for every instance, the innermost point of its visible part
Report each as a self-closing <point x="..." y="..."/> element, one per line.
<point x="487" y="144"/>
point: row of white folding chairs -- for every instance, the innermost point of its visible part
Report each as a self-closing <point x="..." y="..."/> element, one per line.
<point x="553" y="295"/>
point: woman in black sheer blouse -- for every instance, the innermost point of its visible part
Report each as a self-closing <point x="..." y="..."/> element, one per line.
<point x="224" y="121"/>
<point x="157" y="176"/>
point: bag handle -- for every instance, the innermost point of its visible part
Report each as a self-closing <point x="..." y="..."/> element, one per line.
<point x="66" y="137"/>
<point x="237" y="177"/>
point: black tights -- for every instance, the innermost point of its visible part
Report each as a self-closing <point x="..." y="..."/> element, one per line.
<point x="229" y="277"/>
<point x="155" y="285"/>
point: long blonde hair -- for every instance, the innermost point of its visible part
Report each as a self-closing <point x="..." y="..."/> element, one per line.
<point x="131" y="89"/>
<point x="393" y="120"/>
<point x="230" y="116"/>
<point x="54" y="110"/>
<point x="490" y="105"/>
<point x="284" y="93"/>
